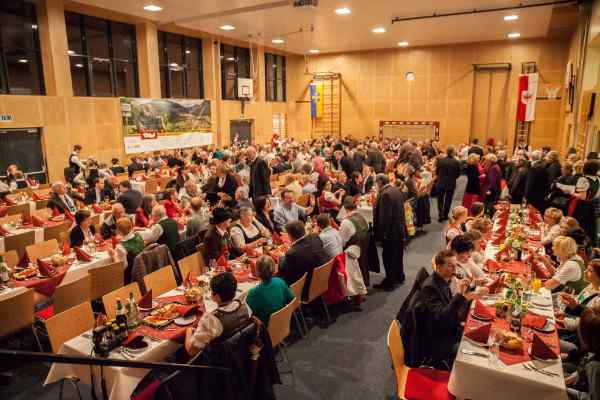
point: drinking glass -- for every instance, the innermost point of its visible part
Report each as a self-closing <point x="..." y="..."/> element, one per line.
<point x="494" y="343"/>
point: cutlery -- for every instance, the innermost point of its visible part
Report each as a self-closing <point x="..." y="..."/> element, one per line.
<point x="474" y="353"/>
<point x="125" y="355"/>
<point x="531" y="367"/>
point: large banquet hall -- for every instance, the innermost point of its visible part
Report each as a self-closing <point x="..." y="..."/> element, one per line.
<point x="300" y="199"/>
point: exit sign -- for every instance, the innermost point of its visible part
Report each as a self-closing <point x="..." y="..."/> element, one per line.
<point x="5" y="118"/>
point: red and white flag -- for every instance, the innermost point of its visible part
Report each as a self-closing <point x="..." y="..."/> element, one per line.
<point x="528" y="86"/>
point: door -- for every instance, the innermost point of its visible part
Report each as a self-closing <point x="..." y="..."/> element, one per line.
<point x="490" y="111"/>
<point x="23" y="147"/>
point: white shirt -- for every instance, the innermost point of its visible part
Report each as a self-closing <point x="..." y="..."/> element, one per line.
<point x="210" y="327"/>
<point x="347" y="229"/>
<point x="550" y="234"/>
<point x="569" y="271"/>
<point x="238" y="236"/>
<point x="120" y="250"/>
<point x="332" y="243"/>
<point x="473" y="270"/>
<point x="154" y="232"/>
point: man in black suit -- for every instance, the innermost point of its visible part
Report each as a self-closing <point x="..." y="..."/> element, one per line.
<point x="344" y="162"/>
<point x="536" y="185"/>
<point x="448" y="171"/>
<point x="305" y="254"/>
<point x="260" y="175"/>
<point x="130" y="198"/>
<point x="136" y="165"/>
<point x="95" y="194"/>
<point x="359" y="157"/>
<point x="389" y="225"/>
<point x="476" y="148"/>
<point x="375" y="159"/>
<point x="111" y="188"/>
<point x="60" y="200"/>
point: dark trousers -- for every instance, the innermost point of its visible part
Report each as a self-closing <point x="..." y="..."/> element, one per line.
<point x="444" y="202"/>
<point x="393" y="260"/>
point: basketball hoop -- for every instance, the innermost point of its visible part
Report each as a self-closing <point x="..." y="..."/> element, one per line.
<point x="552" y="90"/>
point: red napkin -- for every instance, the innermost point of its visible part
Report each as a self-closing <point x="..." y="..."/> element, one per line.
<point x="481" y="310"/>
<point x="55" y="212"/>
<point x="97" y="209"/>
<point x="222" y="262"/>
<point x="82" y="255"/>
<point x="115" y="241"/>
<point x="540" y="270"/>
<point x="494" y="285"/>
<point x="497" y="240"/>
<point x="9" y="202"/>
<point x="187" y="310"/>
<point x="276" y="238"/>
<point x="189" y="280"/>
<point x="26" y="219"/>
<point x="251" y="253"/>
<point x="37" y="221"/>
<point x="66" y="248"/>
<point x="480" y="334"/>
<point x="534" y="320"/>
<point x="146" y="300"/>
<point x="492" y="265"/>
<point x="68" y="215"/>
<point x="133" y="339"/>
<point x="35" y="196"/>
<point x="45" y="268"/>
<point x="3" y="232"/>
<point x="541" y="350"/>
<point x="3" y="211"/>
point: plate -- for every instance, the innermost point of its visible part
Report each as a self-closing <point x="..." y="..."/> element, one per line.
<point x="184" y="321"/>
<point x="141" y="347"/>
<point x="477" y="317"/>
<point x="548" y="328"/>
<point x="154" y="305"/>
<point x="541" y="301"/>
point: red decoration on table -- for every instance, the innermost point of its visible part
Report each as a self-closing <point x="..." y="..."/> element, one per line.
<point x="497" y="240"/>
<point x="276" y="238"/>
<point x="480" y="334"/>
<point x="541" y="350"/>
<point x="146" y="300"/>
<point x="189" y="280"/>
<point x="96" y="208"/>
<point x="9" y="202"/>
<point x="492" y="265"/>
<point x="55" y="212"/>
<point x="540" y="270"/>
<point x="68" y="215"/>
<point x="66" y="248"/>
<point x="37" y="221"/>
<point x="35" y="197"/>
<point x="45" y="268"/>
<point x="3" y="232"/>
<point x="3" y="211"/>
<point x="115" y="240"/>
<point x="482" y="311"/>
<point x="82" y="255"/>
<point x="132" y="338"/>
<point x="534" y="320"/>
<point x="222" y="261"/>
<point x="251" y="252"/>
<point x="495" y="285"/>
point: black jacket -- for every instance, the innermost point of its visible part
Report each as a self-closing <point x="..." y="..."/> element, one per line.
<point x="388" y="214"/>
<point x="536" y="186"/>
<point x="91" y="198"/>
<point x="473" y="186"/>
<point x="553" y="170"/>
<point x="304" y="256"/>
<point x="376" y="160"/>
<point x="260" y="178"/>
<point x="448" y="171"/>
<point x="56" y="202"/>
<point x="131" y="200"/>
<point x="109" y="191"/>
<point x="359" y="159"/>
<point x="76" y="236"/>
<point x="347" y="165"/>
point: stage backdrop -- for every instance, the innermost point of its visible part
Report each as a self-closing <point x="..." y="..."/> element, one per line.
<point x="159" y="124"/>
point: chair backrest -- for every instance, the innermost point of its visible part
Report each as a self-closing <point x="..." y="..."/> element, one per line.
<point x="160" y="281"/>
<point x="42" y="250"/>
<point x="69" y="324"/>
<point x="297" y="287"/>
<point x="151" y="186"/>
<point x="304" y="200"/>
<point x="69" y="294"/>
<point x="396" y="349"/>
<point x="202" y="250"/>
<point x="11" y="258"/>
<point x="109" y="300"/>
<point x="105" y="279"/>
<point x="320" y="280"/>
<point x="19" y="209"/>
<point x="43" y="213"/>
<point x="279" y="322"/>
<point x="192" y="263"/>
<point x="16" y="312"/>
<point x="123" y="176"/>
<point x="19" y="242"/>
<point x="10" y="218"/>
<point x="95" y="219"/>
<point x="53" y="232"/>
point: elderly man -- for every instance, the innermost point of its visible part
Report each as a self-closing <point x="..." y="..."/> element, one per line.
<point x="260" y="175"/>
<point x="536" y="184"/>
<point x="198" y="220"/>
<point x="164" y="230"/>
<point x="108" y="228"/>
<point x="60" y="200"/>
<point x="188" y="192"/>
<point x="288" y="210"/>
<point x="111" y="188"/>
<point x="95" y="194"/>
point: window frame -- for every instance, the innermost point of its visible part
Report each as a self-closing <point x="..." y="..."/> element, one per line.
<point x="272" y="59"/>
<point x="185" y="42"/>
<point x="89" y="60"/>
<point x="238" y="53"/>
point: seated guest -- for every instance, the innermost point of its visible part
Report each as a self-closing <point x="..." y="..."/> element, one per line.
<point x="551" y="229"/>
<point x="60" y="200"/>
<point x="136" y="165"/>
<point x="95" y="194"/>
<point x="570" y="271"/>
<point x="341" y="182"/>
<point x="288" y="210"/>
<point x="130" y="198"/>
<point x="189" y="191"/>
<point x="332" y="242"/>
<point x="458" y="217"/>
<point x="478" y="253"/>
<point x="111" y="188"/>
<point x="484" y="226"/>
<point x="248" y="234"/>
<point x="217" y="240"/>
<point x="567" y="224"/>
<point x="129" y="247"/>
<point x="83" y="230"/>
<point x="329" y="201"/>
<point x="198" y="220"/>
<point x="241" y="197"/>
<point x="304" y="255"/>
<point x="441" y="313"/>
<point x="171" y="204"/>
<point x="144" y="213"/>
<point x="229" y="316"/>
<point x="271" y="294"/>
<point x="264" y="212"/>
<point x="355" y="186"/>
<point x="108" y="228"/>
<point x="589" y="297"/>
<point x="164" y="230"/>
<point x="477" y="210"/>
<point x="20" y="181"/>
<point x="465" y="266"/>
<point x="115" y="167"/>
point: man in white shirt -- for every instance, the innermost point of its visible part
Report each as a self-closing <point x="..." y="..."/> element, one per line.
<point x="332" y="242"/>
<point x="288" y="210"/>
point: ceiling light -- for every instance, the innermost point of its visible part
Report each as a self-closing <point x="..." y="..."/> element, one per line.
<point x="152" y="7"/>
<point x="227" y="27"/>
<point x="403" y="44"/>
<point x="79" y="65"/>
<point x="314" y="51"/>
<point x="188" y="51"/>
<point x="511" y="17"/>
<point x="70" y="52"/>
<point x="34" y="26"/>
<point x="514" y="35"/>
<point x="23" y="60"/>
<point x="379" y="29"/>
<point x="343" y="11"/>
<point x="277" y="41"/>
<point x="173" y="65"/>
<point x="230" y="59"/>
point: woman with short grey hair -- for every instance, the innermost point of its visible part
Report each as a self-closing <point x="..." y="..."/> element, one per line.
<point x="248" y="234"/>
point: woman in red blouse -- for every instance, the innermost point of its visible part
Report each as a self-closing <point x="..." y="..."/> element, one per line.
<point x="144" y="212"/>
<point x="171" y="204"/>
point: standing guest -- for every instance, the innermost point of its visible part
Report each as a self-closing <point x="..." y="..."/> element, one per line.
<point x="271" y="294"/>
<point x="115" y="167"/>
<point x="288" y="210"/>
<point x="536" y="185"/>
<point x="76" y="166"/>
<point x="476" y="148"/>
<point x="164" y="230"/>
<point x="304" y="255"/>
<point x="553" y="168"/>
<point x="10" y="174"/>
<point x="129" y="197"/>
<point x="95" y="194"/>
<point x="332" y="242"/>
<point x="217" y="239"/>
<point x="198" y="220"/>
<point x="260" y="174"/>
<point x="108" y="228"/>
<point x="60" y="200"/>
<point x="491" y="187"/>
<point x="473" y="189"/>
<point x="359" y="157"/>
<point x="83" y="230"/>
<point x="144" y="213"/>
<point x="264" y="212"/>
<point x="368" y="179"/>
<point x="354" y="230"/>
<point x="447" y="171"/>
<point x="457" y="219"/>
<point x="375" y="158"/>
<point x="389" y="226"/>
<point x="248" y="234"/>
<point x="344" y="162"/>
<point x="587" y="191"/>
<point x="224" y="188"/>
<point x="517" y="180"/>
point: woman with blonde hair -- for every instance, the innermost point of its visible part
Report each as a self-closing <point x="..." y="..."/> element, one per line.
<point x="571" y="267"/>
<point x="551" y="229"/>
<point x="458" y="217"/>
<point x="474" y="176"/>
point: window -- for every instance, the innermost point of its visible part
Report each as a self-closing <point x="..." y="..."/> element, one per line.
<point x="20" y="59"/>
<point x="275" y="77"/>
<point x="180" y="66"/>
<point x="103" y="56"/>
<point x="235" y="63"/>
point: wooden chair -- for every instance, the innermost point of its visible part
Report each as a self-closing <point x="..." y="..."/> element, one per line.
<point x="319" y="284"/>
<point x="11" y="258"/>
<point x="95" y="220"/>
<point x="19" y="242"/>
<point x="193" y="263"/>
<point x="16" y="313"/>
<point x="202" y="251"/>
<point x="109" y="300"/>
<point x="151" y="186"/>
<point x="22" y="209"/>
<point x="160" y="281"/>
<point x="296" y="288"/>
<point x="71" y="293"/>
<point x="435" y="381"/>
<point x="279" y="328"/>
<point x="105" y="279"/>
<point x="11" y="218"/>
<point x="123" y="176"/>
<point x="42" y="250"/>
<point x="69" y="324"/>
<point x="53" y="232"/>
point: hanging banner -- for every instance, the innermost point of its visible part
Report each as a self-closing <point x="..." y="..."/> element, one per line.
<point x="163" y="124"/>
<point x="528" y="87"/>
<point x="316" y="100"/>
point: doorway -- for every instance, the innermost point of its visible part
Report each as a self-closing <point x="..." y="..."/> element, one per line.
<point x="490" y="106"/>
<point x="240" y="131"/>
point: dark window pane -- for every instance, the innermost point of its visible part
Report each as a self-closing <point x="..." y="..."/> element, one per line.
<point x="97" y="37"/>
<point x="126" y="83"/>
<point x="193" y="53"/>
<point x="243" y="62"/>
<point x="101" y="79"/>
<point x="18" y="26"/>
<point x="229" y="89"/>
<point x="280" y="66"/>
<point x="123" y="41"/>
<point x="78" y="75"/>
<point x="162" y="52"/>
<point x="193" y="84"/>
<point x="270" y="90"/>
<point x="279" y="90"/>
<point x="164" y="72"/>
<point x="74" y="32"/>
<point x="176" y="82"/>
<point x="23" y="73"/>
<point x="3" y="85"/>
<point x="174" y="49"/>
